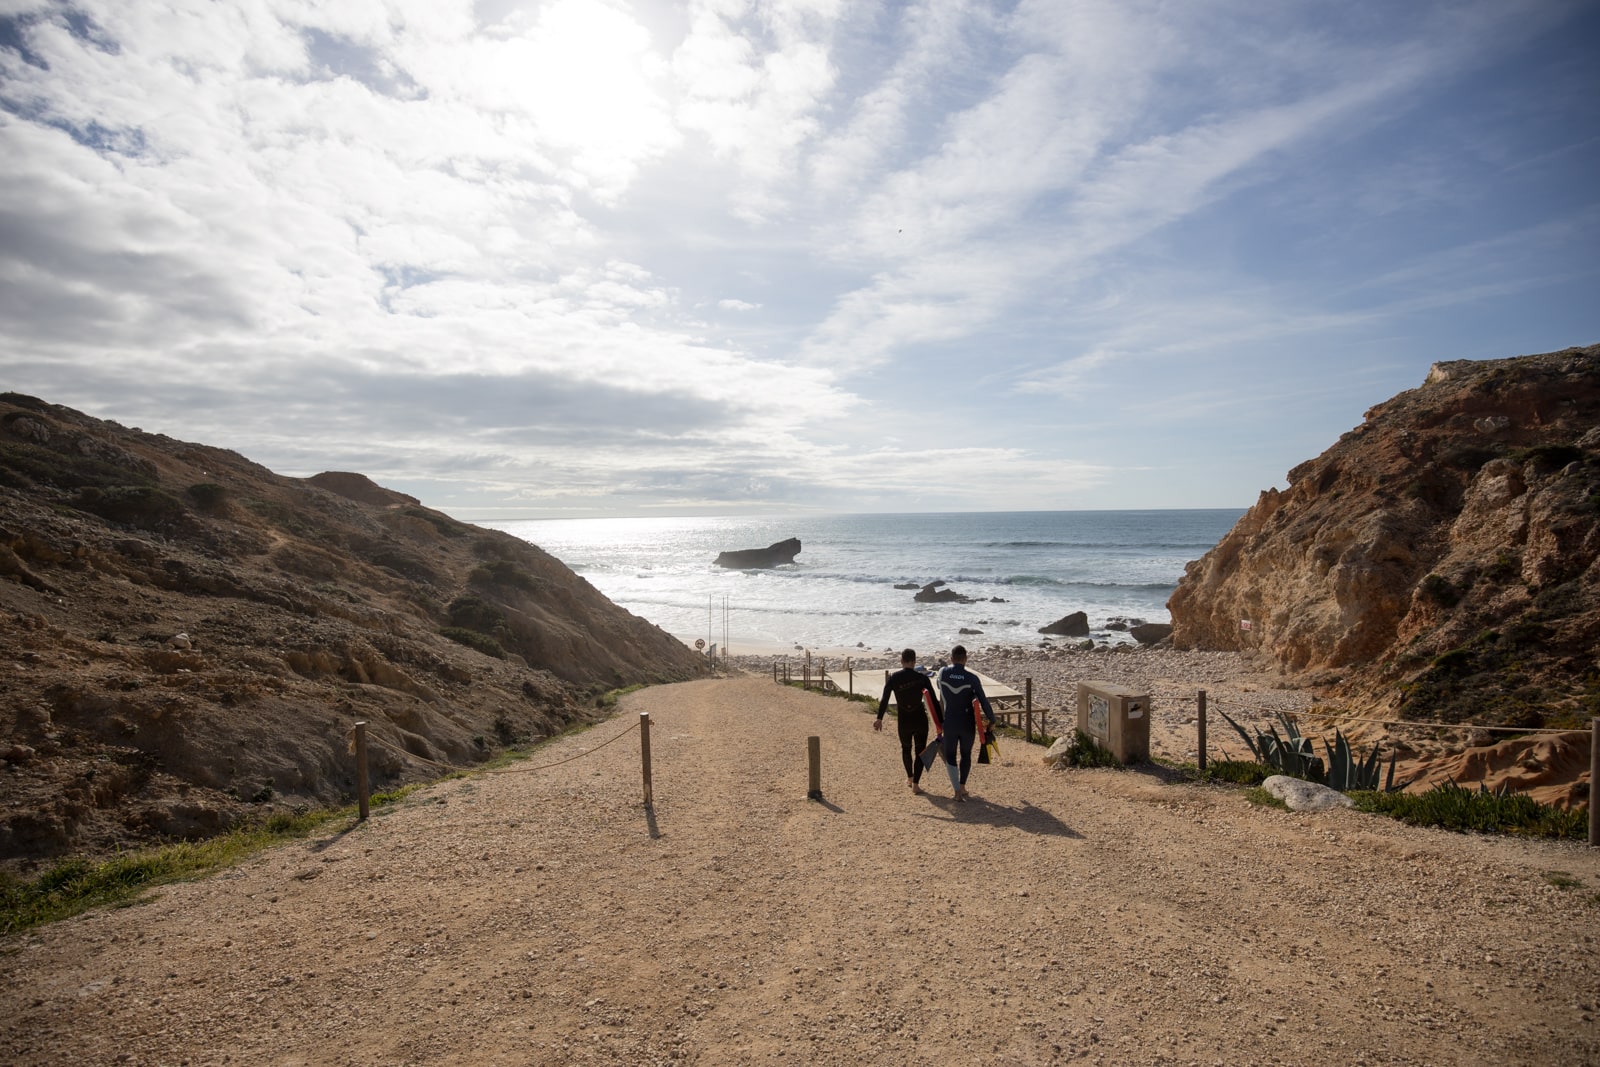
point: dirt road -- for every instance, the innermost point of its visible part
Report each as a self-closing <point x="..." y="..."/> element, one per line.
<point x="540" y="915"/>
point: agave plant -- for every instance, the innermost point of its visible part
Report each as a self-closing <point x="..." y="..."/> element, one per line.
<point x="1293" y="755"/>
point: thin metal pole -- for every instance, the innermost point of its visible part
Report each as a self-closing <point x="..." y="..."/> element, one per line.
<point x="1200" y="725"/>
<point x="644" y="758"/>
<point x="362" y="789"/>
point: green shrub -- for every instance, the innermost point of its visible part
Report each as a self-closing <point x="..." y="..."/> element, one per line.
<point x="208" y="496"/>
<point x="503" y="572"/>
<point x="1453" y="807"/>
<point x="1263" y="799"/>
<point x="474" y="640"/>
<point x="142" y="506"/>
<point x="1085" y="751"/>
<point x="1438" y="589"/>
<point x="1549" y="457"/>
<point x="475" y="614"/>
<point x="1240" y="772"/>
<point x="443" y="523"/>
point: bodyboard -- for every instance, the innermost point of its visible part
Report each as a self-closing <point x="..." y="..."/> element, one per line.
<point x="987" y="746"/>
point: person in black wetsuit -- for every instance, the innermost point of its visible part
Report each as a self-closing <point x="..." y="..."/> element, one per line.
<point x="957" y="689"/>
<point x="908" y="686"/>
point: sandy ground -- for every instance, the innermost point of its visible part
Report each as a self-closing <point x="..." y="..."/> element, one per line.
<point x="542" y="915"/>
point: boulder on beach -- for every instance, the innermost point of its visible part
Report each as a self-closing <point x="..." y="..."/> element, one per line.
<point x="1074" y="625"/>
<point x="774" y="555"/>
<point x="1150" y="633"/>
<point x="933" y="594"/>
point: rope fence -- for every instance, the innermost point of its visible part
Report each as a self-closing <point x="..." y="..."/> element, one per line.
<point x="358" y="738"/>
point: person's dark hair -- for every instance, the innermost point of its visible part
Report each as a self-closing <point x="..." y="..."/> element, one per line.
<point x="959" y="652"/>
<point x="908" y="656"/>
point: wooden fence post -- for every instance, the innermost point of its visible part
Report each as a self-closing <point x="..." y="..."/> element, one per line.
<point x="644" y="758"/>
<point x="362" y="790"/>
<point x="1027" y="707"/>
<point x="1594" y="779"/>
<point x="1200" y="724"/>
<point x="814" y="758"/>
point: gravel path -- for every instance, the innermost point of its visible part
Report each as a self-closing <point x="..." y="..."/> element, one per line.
<point x="540" y="915"/>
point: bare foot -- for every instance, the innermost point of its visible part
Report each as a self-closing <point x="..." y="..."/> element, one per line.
<point x="917" y="789"/>
<point x="912" y="782"/>
<point x="963" y="795"/>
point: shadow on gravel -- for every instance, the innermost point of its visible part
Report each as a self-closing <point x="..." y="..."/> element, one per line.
<point x="333" y="839"/>
<point x="1026" y="817"/>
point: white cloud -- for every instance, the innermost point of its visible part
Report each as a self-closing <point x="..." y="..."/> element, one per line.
<point x="756" y="107"/>
<point x="518" y="223"/>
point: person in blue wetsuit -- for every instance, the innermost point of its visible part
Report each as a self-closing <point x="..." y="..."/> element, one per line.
<point x="957" y="689"/>
<point x="908" y="686"/>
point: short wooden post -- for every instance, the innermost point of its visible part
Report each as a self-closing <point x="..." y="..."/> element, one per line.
<point x="362" y="789"/>
<point x="1200" y="726"/>
<point x="1594" y="779"/>
<point x="814" y="757"/>
<point x="644" y="758"/>
<point x="1027" y="708"/>
<point x="774" y="672"/>
<point x="822" y="674"/>
<point x="850" y="676"/>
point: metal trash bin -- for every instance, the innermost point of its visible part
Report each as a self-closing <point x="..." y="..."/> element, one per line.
<point x="1118" y="718"/>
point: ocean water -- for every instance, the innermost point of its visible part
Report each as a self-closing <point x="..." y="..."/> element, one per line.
<point x="1025" y="569"/>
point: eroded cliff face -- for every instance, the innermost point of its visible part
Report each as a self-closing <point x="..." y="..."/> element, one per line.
<point x="187" y="637"/>
<point x="1439" y="561"/>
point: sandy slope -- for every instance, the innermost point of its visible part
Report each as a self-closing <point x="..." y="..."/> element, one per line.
<point x="543" y="916"/>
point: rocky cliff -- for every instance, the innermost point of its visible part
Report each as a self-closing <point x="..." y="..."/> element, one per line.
<point x="1439" y="561"/>
<point x="187" y="638"/>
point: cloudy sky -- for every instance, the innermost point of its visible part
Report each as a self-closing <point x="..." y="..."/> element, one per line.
<point x="528" y="258"/>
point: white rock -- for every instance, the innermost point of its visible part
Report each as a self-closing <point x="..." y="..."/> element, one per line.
<point x="1301" y="795"/>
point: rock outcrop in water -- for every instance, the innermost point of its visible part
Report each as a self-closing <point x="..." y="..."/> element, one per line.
<point x="775" y="555"/>
<point x="1439" y="561"/>
<point x="189" y="637"/>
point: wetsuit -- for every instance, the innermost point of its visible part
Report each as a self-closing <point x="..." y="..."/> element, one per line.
<point x="958" y="688"/>
<point x="908" y="684"/>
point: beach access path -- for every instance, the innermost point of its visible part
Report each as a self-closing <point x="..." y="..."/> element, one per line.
<point x="540" y="914"/>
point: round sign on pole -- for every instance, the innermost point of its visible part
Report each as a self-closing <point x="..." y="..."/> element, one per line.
<point x="699" y="643"/>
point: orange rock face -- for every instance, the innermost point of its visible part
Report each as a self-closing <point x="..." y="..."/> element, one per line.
<point x="1439" y="561"/>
